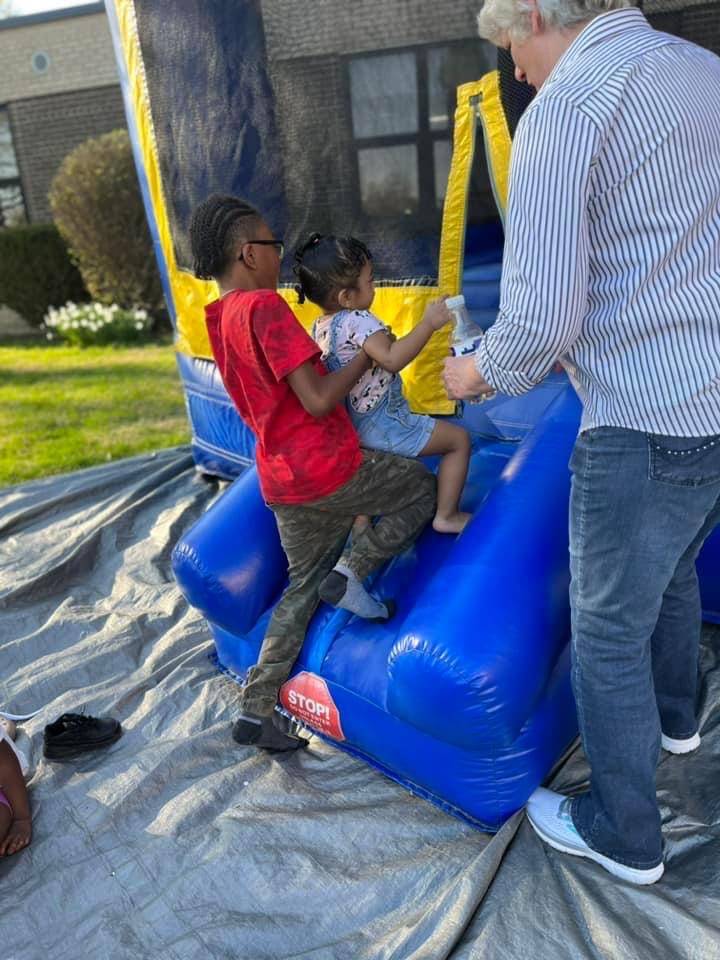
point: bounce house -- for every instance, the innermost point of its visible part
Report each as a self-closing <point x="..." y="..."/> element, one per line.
<point x="391" y="122"/>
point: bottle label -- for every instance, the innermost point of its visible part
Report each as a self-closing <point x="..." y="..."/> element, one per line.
<point x="465" y="347"/>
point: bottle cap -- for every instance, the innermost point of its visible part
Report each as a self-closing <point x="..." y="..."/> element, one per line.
<point x="452" y="303"/>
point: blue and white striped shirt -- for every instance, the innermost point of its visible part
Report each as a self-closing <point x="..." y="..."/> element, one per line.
<point x="612" y="251"/>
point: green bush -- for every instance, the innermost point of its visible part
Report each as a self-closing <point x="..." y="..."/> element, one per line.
<point x="36" y="271"/>
<point x="97" y="206"/>
<point x="91" y="324"/>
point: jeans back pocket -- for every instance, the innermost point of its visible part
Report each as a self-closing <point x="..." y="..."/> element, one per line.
<point x="684" y="461"/>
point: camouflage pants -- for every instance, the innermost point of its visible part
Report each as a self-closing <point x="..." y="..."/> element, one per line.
<point x="399" y="491"/>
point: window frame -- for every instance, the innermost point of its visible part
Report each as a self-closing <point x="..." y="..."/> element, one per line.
<point x="423" y="139"/>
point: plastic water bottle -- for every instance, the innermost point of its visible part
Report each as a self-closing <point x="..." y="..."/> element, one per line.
<point x="465" y="340"/>
<point x="467" y="334"/>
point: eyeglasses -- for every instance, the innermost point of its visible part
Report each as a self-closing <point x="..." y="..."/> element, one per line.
<point x="278" y="244"/>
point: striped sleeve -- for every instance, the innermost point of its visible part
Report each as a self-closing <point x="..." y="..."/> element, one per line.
<point x="545" y="266"/>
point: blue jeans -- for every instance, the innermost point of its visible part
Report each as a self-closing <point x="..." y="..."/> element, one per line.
<point x="640" y="508"/>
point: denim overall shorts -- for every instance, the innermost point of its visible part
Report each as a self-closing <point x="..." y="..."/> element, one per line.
<point x="390" y="425"/>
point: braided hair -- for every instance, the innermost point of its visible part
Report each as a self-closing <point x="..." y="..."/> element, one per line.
<point x="216" y="227"/>
<point x="326" y="265"/>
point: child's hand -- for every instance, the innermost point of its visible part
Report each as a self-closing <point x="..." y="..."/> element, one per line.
<point x="437" y="314"/>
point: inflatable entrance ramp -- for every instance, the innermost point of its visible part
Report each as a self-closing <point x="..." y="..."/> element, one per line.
<point x="464" y="696"/>
<point x="392" y="122"/>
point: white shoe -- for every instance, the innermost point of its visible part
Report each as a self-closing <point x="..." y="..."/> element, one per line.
<point x="549" y="816"/>
<point x="680" y="746"/>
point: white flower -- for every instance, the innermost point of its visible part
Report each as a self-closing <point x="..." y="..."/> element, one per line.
<point x="139" y="326"/>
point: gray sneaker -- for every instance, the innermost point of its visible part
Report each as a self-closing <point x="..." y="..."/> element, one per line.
<point x="550" y="817"/>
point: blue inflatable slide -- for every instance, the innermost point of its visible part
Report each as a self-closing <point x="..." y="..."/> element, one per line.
<point x="464" y="696"/>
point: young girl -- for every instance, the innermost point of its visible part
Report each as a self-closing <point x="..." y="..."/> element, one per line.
<point x="336" y="273"/>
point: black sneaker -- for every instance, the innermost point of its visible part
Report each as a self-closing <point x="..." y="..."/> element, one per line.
<point x="74" y="733"/>
<point x="262" y="732"/>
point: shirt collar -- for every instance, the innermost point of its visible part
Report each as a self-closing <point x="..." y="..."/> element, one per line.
<point x="598" y="31"/>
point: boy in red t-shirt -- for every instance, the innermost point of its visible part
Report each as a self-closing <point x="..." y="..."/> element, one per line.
<point x="312" y="472"/>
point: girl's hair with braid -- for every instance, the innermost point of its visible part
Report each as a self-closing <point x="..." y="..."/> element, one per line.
<point x="217" y="226"/>
<point x="326" y="265"/>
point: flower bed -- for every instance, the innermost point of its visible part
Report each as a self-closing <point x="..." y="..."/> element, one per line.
<point x="86" y="324"/>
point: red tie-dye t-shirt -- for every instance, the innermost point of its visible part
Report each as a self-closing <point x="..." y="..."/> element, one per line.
<point x="257" y="341"/>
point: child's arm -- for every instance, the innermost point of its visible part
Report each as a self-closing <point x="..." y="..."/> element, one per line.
<point x="394" y="355"/>
<point x="321" y="394"/>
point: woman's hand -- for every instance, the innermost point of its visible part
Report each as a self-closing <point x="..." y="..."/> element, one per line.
<point x="462" y="379"/>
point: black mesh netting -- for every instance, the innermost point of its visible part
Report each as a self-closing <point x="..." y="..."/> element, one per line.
<point x="331" y="115"/>
<point x="515" y="96"/>
<point x="328" y="115"/>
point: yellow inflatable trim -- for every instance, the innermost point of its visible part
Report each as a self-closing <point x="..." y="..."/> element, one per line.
<point x="399" y="307"/>
<point x="477" y="103"/>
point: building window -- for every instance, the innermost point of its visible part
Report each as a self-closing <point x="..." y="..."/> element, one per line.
<point x="384" y="95"/>
<point x="389" y="182"/>
<point x="12" y="205"/>
<point x="402" y="106"/>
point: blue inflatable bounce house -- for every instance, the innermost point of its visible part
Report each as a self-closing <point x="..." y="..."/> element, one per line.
<point x="328" y="119"/>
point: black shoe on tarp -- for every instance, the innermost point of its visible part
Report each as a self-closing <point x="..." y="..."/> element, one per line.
<point x="263" y="732"/>
<point x="75" y="733"/>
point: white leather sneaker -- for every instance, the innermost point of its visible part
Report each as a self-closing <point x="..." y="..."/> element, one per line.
<point x="680" y="746"/>
<point x="550" y="818"/>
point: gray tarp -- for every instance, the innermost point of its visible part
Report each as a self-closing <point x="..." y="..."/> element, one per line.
<point x="176" y="843"/>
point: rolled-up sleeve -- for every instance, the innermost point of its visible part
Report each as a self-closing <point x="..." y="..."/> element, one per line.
<point x="545" y="263"/>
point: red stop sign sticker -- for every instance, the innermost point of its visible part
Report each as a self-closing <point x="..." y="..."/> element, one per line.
<point x="308" y="698"/>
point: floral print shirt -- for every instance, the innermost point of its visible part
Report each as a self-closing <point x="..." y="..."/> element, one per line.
<point x="351" y="330"/>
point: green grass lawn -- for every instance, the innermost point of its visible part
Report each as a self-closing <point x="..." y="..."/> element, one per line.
<point x="63" y="408"/>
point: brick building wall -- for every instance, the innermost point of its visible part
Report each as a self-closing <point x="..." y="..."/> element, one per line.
<point x="293" y="29"/>
<point x="59" y="86"/>
<point x="78" y="47"/>
<point x="46" y="129"/>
